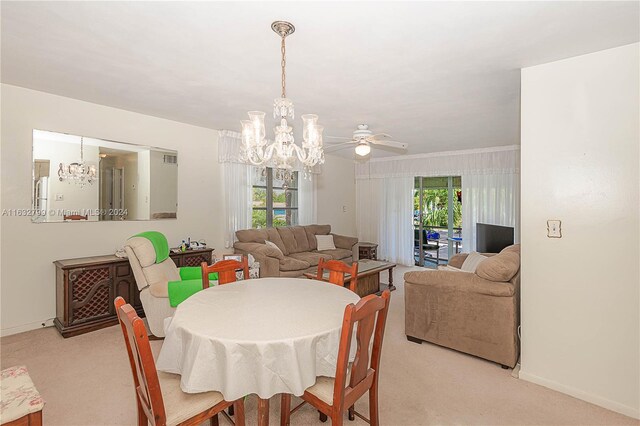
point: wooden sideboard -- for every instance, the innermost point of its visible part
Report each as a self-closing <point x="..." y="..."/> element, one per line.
<point x="86" y="288"/>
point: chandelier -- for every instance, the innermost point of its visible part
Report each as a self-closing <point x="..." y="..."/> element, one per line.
<point x="281" y="153"/>
<point x="286" y="176"/>
<point x="79" y="173"/>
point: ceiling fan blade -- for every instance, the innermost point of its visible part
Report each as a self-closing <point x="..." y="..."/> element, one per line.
<point x="390" y="143"/>
<point x="333" y="143"/>
<point x="338" y="147"/>
<point x="380" y="136"/>
<point x="336" y="137"/>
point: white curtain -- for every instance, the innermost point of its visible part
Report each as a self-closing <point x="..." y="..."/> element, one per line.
<point x="385" y="216"/>
<point x="492" y="199"/>
<point x="490" y="194"/>
<point x="237" y="181"/>
<point x="495" y="160"/>
<point x="307" y="200"/>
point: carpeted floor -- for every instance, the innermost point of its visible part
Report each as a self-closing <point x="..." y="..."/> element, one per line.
<point x="86" y="381"/>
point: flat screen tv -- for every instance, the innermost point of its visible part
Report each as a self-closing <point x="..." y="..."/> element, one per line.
<point x="493" y="238"/>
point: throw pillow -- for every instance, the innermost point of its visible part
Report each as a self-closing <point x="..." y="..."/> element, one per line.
<point x="271" y="244"/>
<point x="325" y="242"/>
<point x="501" y="267"/>
<point x="472" y="261"/>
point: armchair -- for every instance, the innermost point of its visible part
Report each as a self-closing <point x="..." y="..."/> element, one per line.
<point x="472" y="312"/>
<point x="153" y="269"/>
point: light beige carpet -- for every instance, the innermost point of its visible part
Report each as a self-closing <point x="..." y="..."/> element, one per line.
<point x="86" y="381"/>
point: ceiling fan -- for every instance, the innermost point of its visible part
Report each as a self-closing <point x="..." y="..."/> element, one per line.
<point x="363" y="139"/>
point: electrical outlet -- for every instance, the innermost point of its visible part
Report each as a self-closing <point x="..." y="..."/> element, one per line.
<point x="344" y="209"/>
<point x="554" y="228"/>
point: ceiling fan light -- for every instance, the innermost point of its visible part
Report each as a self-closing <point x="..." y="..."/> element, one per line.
<point x="363" y="149"/>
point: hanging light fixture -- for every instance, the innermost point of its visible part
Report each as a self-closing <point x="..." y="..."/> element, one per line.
<point x="80" y="172"/>
<point x="281" y="153"/>
<point x="363" y="149"/>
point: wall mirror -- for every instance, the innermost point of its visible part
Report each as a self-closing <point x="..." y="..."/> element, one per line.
<point x="79" y="179"/>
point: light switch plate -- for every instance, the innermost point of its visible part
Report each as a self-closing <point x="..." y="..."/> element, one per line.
<point x="554" y="228"/>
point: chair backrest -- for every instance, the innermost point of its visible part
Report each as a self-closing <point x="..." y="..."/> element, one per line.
<point x="143" y="367"/>
<point x="337" y="269"/>
<point x="142" y="258"/>
<point x="226" y="270"/>
<point x="370" y="313"/>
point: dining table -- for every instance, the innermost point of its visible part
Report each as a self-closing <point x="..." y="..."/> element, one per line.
<point x="262" y="336"/>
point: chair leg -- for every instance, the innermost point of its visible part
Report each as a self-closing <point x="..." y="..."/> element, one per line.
<point x="352" y="413"/>
<point x="35" y="419"/>
<point x="142" y="417"/>
<point x="336" y="419"/>
<point x="213" y="421"/>
<point x="239" y="412"/>
<point x="373" y="405"/>
<point x="285" y="409"/>
<point x="322" y="416"/>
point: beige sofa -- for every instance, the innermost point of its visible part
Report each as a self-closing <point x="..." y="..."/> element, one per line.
<point x="476" y="313"/>
<point x="298" y="249"/>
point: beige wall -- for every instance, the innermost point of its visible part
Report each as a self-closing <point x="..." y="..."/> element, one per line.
<point x="337" y="195"/>
<point x="580" y="293"/>
<point x="27" y="293"/>
<point x="28" y="250"/>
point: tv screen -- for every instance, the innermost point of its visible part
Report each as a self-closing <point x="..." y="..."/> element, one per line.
<point x="493" y="238"/>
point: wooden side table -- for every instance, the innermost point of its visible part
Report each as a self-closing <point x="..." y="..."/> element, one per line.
<point x="368" y="251"/>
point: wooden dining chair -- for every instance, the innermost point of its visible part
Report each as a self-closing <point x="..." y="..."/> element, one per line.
<point x="337" y="269"/>
<point x="333" y="396"/>
<point x="226" y="270"/>
<point x="159" y="399"/>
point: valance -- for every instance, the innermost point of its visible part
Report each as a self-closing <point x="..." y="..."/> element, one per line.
<point x="491" y="161"/>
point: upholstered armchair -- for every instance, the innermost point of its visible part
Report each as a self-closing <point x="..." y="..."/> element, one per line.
<point x="153" y="273"/>
<point x="472" y="312"/>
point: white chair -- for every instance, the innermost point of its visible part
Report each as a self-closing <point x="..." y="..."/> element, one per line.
<point x="152" y="279"/>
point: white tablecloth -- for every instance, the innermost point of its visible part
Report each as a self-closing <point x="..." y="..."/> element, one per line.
<point x="264" y="336"/>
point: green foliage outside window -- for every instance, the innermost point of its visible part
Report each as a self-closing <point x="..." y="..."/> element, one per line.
<point x="436" y="203"/>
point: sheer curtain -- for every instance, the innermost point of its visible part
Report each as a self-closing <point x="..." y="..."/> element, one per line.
<point x="490" y="193"/>
<point x="492" y="199"/>
<point x="307" y="200"/>
<point x="385" y="216"/>
<point x="237" y="181"/>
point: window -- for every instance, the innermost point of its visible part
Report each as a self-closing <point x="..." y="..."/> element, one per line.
<point x="275" y="198"/>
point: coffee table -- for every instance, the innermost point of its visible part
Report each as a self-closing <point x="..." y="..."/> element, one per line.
<point x="368" y="277"/>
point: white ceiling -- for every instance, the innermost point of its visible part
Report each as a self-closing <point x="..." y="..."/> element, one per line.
<point x="438" y="75"/>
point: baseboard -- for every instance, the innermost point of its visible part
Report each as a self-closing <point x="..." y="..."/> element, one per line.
<point x="26" y="327"/>
<point x="585" y="396"/>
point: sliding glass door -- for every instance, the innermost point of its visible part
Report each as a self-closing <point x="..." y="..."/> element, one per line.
<point x="437" y="219"/>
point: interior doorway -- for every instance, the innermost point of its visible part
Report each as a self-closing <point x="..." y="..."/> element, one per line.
<point x="437" y="219"/>
<point x="112" y="180"/>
